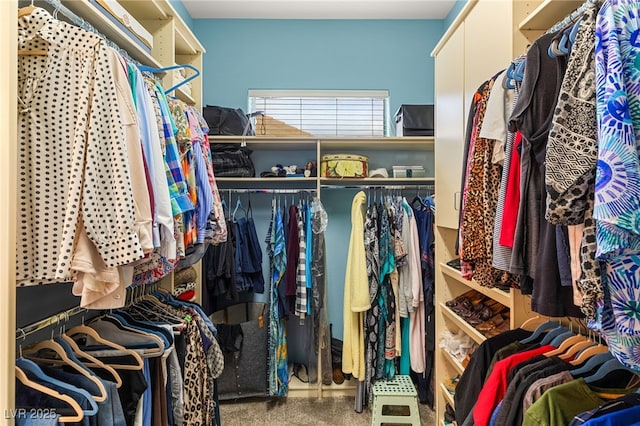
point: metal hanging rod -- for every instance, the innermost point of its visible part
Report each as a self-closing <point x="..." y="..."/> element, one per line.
<point x="390" y="187"/>
<point x="23" y="332"/>
<point x="265" y="191"/>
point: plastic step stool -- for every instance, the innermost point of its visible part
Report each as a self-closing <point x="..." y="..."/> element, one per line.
<point x="398" y="392"/>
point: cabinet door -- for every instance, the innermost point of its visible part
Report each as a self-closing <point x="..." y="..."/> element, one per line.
<point x="487" y="41"/>
<point x="450" y="115"/>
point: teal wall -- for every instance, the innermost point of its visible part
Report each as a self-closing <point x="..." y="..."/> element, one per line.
<point x="245" y="54"/>
<point x="453" y="13"/>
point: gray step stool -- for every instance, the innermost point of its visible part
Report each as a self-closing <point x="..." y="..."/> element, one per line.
<point x="398" y="392"/>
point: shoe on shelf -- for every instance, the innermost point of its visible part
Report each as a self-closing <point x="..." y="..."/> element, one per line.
<point x="451" y="384"/>
<point x="471" y="296"/>
<point x="491" y="324"/>
<point x="338" y="377"/>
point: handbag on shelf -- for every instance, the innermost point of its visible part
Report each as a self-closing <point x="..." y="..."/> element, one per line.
<point x="230" y="160"/>
<point x="227" y="121"/>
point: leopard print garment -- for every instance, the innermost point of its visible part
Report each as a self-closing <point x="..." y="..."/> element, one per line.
<point x="473" y="229"/>
<point x="197" y="395"/>
<point x="482" y="196"/>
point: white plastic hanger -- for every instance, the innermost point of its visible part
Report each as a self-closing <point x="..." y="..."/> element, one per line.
<point x="86" y="330"/>
<point x="34" y="352"/>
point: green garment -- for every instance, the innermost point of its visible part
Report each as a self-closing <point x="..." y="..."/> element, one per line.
<point x="560" y="404"/>
<point x="505" y="352"/>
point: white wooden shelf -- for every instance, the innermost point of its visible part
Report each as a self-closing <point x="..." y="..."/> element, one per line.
<point x="269" y="143"/>
<point x="462" y="324"/>
<point x="496" y="294"/>
<point x="314" y="148"/>
<point x="547" y="14"/>
<point x="333" y="143"/>
<point x="447" y="396"/>
<point x="184" y="96"/>
<point x="173" y="43"/>
<point x="145" y="10"/>
<point x="453" y="361"/>
<point x="264" y="180"/>
<point x="376" y="181"/>
<point x="378" y="143"/>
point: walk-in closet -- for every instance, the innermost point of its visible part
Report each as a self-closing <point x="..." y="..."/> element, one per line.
<point x="345" y="213"/>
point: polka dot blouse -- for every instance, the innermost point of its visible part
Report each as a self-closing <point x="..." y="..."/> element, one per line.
<point x="73" y="172"/>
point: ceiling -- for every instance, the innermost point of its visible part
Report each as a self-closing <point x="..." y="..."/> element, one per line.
<point x="314" y="9"/>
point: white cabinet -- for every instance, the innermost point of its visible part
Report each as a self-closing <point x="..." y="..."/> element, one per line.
<point x="449" y="140"/>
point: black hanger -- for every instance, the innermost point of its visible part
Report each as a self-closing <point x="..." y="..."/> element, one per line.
<point x="607" y="368"/>
<point x="592" y="363"/>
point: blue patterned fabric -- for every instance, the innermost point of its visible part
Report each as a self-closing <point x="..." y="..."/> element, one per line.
<point x="617" y="202"/>
<point x="180" y="202"/>
<point x="278" y="372"/>
<point x="617" y="191"/>
<point x="309" y="256"/>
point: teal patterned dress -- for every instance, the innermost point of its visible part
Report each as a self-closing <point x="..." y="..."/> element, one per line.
<point x="617" y="192"/>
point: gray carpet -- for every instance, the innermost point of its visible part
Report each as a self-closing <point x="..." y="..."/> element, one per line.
<point x="330" y="411"/>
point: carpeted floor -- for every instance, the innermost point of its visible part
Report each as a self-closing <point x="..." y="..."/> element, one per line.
<point x="330" y="411"/>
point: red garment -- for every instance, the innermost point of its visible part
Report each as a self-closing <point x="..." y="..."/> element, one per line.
<point x="512" y="198"/>
<point x="495" y="387"/>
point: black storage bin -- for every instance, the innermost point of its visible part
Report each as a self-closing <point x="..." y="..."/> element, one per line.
<point x="414" y="120"/>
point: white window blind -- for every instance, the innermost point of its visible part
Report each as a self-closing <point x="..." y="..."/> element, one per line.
<point x="320" y="113"/>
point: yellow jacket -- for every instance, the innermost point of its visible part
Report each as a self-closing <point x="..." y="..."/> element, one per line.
<point x="356" y="293"/>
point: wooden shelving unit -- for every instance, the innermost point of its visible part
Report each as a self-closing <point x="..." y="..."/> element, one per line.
<point x="298" y="150"/>
<point x="466" y="56"/>
<point x="382" y="152"/>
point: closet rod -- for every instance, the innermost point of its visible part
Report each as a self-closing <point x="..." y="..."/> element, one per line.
<point x="23" y="332"/>
<point x="265" y="191"/>
<point x="393" y="187"/>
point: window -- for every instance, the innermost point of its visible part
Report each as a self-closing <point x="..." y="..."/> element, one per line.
<point x="320" y="112"/>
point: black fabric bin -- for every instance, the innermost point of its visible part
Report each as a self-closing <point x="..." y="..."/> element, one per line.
<point x="414" y="120"/>
<point x="245" y="357"/>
